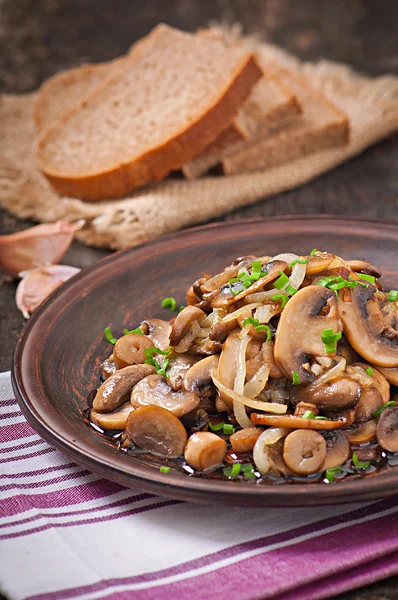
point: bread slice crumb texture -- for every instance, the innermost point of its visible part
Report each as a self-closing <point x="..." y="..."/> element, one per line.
<point x="168" y="84"/>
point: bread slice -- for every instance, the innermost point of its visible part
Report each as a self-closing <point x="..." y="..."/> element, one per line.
<point x="59" y="94"/>
<point x="321" y="126"/>
<point x="269" y="107"/>
<point x="174" y="96"/>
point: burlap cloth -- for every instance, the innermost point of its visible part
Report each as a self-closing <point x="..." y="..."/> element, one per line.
<point x="371" y="105"/>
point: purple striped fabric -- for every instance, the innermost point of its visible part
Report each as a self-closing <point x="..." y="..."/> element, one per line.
<point x="101" y="540"/>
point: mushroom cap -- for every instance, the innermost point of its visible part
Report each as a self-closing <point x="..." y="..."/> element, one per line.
<point x="304" y="452"/>
<point x="361" y="433"/>
<point x="129" y="350"/>
<point x="366" y="328"/>
<point x="363" y="266"/>
<point x="205" y="450"/>
<point x="178" y="368"/>
<point x="387" y="429"/>
<point x="243" y="440"/>
<point x="299" y="333"/>
<point x="335" y="395"/>
<point x="114" y="391"/>
<point x="156" y="429"/>
<point x="108" y="367"/>
<point x="158" y="331"/>
<point x="317" y="263"/>
<point x="155" y="391"/>
<point x="183" y="321"/>
<point x="198" y="379"/>
<point x="390" y="374"/>
<point x="114" y="421"/>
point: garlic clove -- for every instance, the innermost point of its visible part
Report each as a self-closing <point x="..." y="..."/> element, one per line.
<point x="38" y="283"/>
<point x="39" y="245"/>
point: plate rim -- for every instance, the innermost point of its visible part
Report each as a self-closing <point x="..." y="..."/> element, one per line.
<point x="198" y="490"/>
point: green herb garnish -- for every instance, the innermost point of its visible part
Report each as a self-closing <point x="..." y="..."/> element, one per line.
<point x="313" y="251"/>
<point x="164" y="469"/>
<point x="181" y="308"/>
<point x="216" y="427"/>
<point x="370" y="371"/>
<point x="248" y="471"/>
<point x="137" y="330"/>
<point x="235" y="469"/>
<point x="281" y="281"/>
<point x="251" y="321"/>
<point x="256" y="270"/>
<point x="331" y="473"/>
<point x="369" y="278"/>
<point x="149" y="352"/>
<point x="308" y="415"/>
<point x="382" y="408"/>
<point x="289" y="289"/>
<point x="245" y="279"/>
<point x="393" y="296"/>
<point x="282" y="298"/>
<point x="296" y="378"/>
<point x="228" y="429"/>
<point x="322" y="418"/>
<point x="330" y="339"/>
<point x="169" y="303"/>
<point x="299" y="261"/>
<point x="360" y="464"/>
<point x="267" y="329"/>
<point x="109" y="336"/>
<point x="230" y="282"/>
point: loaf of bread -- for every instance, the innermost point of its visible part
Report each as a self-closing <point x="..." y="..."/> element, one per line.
<point x="269" y="107"/>
<point x="321" y="126"/>
<point x="172" y="98"/>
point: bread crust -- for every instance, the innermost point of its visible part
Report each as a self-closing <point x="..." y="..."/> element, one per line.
<point x="170" y="154"/>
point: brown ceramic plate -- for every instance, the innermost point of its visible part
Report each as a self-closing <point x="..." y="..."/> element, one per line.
<point x="58" y="356"/>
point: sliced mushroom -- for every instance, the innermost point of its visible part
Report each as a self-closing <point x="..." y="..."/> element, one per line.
<point x="220" y="405"/>
<point x="221" y="330"/>
<point x="390" y="374"/>
<point x="108" y="367"/>
<point x="244" y="439"/>
<point x="158" y="331"/>
<point x="114" y="421"/>
<point x="299" y="333"/>
<point x="304" y="452"/>
<point x="129" y="350"/>
<point x="362" y="432"/>
<point x="337" y="449"/>
<point x="178" y="368"/>
<point x="156" y="429"/>
<point x="346" y="351"/>
<point x="335" y="395"/>
<point x="155" y="391"/>
<point x="114" y="391"/>
<point x="318" y="263"/>
<point x="184" y="320"/>
<point x="387" y="429"/>
<point x="369" y="402"/>
<point x="225" y="297"/>
<point x="365" y="326"/>
<point x="293" y="422"/>
<point x="197" y="420"/>
<point x="205" y="347"/>
<point x="362" y="266"/>
<point x="205" y="450"/>
<point x="198" y="379"/>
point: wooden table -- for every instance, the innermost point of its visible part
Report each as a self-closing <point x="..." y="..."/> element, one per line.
<point x="40" y="37"/>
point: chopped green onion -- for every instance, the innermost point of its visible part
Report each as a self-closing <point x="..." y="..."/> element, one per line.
<point x="256" y="270"/>
<point x="162" y="371"/>
<point x="370" y="371"/>
<point x="331" y="473"/>
<point x="296" y="378"/>
<point x="217" y="426"/>
<point x="313" y="251"/>
<point x="330" y="339"/>
<point x="247" y="467"/>
<point x="290" y="290"/>
<point x="281" y="281"/>
<point x="234" y="280"/>
<point x="251" y="321"/>
<point x="109" y="336"/>
<point x="308" y="415"/>
<point x="337" y="286"/>
<point x="181" y="308"/>
<point x="325" y="281"/>
<point x="280" y="297"/>
<point x="299" y="261"/>
<point x="267" y="329"/>
<point x="327" y="332"/>
<point x="164" y="469"/>
<point x="386" y="405"/>
<point x="369" y="278"/>
<point x="169" y="303"/>
<point x="245" y="279"/>
<point x="360" y="464"/>
<point x="228" y="429"/>
<point x="393" y="296"/>
<point x="235" y="470"/>
<point x="137" y="330"/>
<point x="149" y="352"/>
<point x="322" y="418"/>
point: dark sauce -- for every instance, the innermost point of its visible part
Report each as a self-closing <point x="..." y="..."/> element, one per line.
<point x="379" y="459"/>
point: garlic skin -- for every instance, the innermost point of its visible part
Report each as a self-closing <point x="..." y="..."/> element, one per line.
<point x="38" y="283"/>
<point x="39" y="245"/>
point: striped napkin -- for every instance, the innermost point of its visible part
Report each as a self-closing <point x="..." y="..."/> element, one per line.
<point x="66" y="533"/>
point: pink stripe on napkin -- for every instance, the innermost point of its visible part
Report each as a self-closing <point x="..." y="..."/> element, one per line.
<point x="88" y="538"/>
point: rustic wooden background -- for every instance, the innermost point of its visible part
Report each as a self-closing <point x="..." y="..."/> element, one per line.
<point x="40" y="37"/>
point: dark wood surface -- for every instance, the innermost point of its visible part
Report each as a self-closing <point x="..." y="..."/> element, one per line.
<point x="41" y="37"/>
